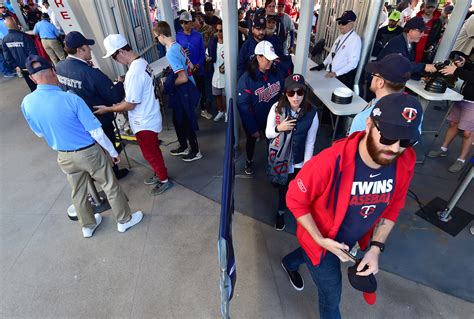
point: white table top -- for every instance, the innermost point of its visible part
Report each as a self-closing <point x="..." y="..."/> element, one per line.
<point x="419" y="88"/>
<point x="159" y="65"/>
<point x="324" y="87"/>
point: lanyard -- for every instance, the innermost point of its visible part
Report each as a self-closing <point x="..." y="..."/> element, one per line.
<point x="338" y="46"/>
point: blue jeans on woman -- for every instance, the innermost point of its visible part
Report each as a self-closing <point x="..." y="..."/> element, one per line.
<point x="326" y="276"/>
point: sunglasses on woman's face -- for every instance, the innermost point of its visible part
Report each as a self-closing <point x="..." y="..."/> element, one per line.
<point x="300" y="92"/>
<point x="219" y="30"/>
<point x="386" y="141"/>
<point x="114" y="56"/>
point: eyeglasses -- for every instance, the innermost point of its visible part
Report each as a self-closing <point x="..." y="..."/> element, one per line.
<point x="374" y="75"/>
<point x="299" y="92"/>
<point x="184" y="22"/>
<point x="114" y="56"/>
<point x="343" y="22"/>
<point x="220" y="30"/>
<point x="385" y="141"/>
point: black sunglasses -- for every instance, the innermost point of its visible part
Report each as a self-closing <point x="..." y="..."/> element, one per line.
<point x="219" y="30"/>
<point x="343" y="22"/>
<point x="184" y="22"/>
<point x="114" y="56"/>
<point x="291" y="93"/>
<point x="386" y="141"/>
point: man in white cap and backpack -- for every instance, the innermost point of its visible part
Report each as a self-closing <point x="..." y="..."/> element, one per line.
<point x="142" y="107"/>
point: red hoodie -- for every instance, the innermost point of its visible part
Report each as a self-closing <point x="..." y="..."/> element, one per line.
<point x="323" y="189"/>
<point x="421" y="45"/>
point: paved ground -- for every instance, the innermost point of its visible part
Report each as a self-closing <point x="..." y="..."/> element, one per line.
<point x="166" y="267"/>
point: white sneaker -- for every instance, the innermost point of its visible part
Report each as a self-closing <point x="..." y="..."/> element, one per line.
<point x="205" y="114"/>
<point x="88" y="232"/>
<point x="219" y="116"/>
<point x="136" y="218"/>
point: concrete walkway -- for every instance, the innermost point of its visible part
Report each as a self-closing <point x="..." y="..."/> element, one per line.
<point x="165" y="267"/>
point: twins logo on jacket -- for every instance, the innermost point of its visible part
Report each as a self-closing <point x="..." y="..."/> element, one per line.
<point x="266" y="93"/>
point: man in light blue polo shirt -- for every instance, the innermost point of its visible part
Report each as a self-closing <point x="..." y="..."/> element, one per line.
<point x="389" y="75"/>
<point x="49" y="39"/>
<point x="67" y="124"/>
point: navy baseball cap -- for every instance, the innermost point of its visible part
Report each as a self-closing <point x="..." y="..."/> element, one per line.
<point x="208" y="7"/>
<point x="347" y="16"/>
<point x="415" y="23"/>
<point x="295" y="81"/>
<point x="31" y="59"/>
<point x="75" y="39"/>
<point x="393" y="67"/>
<point x="260" y="22"/>
<point x="366" y="284"/>
<point x="398" y="116"/>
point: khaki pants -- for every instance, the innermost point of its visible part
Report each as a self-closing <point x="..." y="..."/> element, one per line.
<point x="54" y="49"/>
<point x="80" y="167"/>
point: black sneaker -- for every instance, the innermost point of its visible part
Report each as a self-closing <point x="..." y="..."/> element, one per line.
<point x="121" y="173"/>
<point x="192" y="156"/>
<point x="295" y="278"/>
<point x="248" y="168"/>
<point x="160" y="188"/>
<point x="152" y="180"/>
<point x="280" y="222"/>
<point x="179" y="151"/>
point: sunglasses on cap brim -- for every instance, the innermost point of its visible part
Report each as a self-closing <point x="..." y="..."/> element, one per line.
<point x="386" y="141"/>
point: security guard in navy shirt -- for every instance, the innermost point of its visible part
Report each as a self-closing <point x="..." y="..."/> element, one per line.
<point x="16" y="47"/>
<point x="76" y="74"/>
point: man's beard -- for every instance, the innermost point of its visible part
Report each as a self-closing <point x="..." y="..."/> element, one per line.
<point x="375" y="153"/>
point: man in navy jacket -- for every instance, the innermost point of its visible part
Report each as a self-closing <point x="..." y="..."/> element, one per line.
<point x="76" y="74"/>
<point x="258" y="34"/>
<point x="405" y="44"/>
<point x="17" y="46"/>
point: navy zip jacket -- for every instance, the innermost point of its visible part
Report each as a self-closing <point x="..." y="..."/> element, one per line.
<point x="183" y="99"/>
<point x="248" y="51"/>
<point x="212" y="49"/>
<point x="195" y="44"/>
<point x="93" y="86"/>
<point x="399" y="45"/>
<point x="17" y="46"/>
<point x="256" y="97"/>
<point x="300" y="133"/>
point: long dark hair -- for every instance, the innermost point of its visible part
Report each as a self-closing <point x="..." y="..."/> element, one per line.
<point x="252" y="68"/>
<point x="283" y="103"/>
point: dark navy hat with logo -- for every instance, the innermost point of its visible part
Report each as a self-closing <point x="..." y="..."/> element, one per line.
<point x="415" y="23"/>
<point x="294" y="81"/>
<point x="398" y="116"/>
<point x="366" y="284"/>
<point x="43" y="64"/>
<point x="393" y="67"/>
<point x="347" y="16"/>
<point x="75" y="39"/>
<point x="260" y="22"/>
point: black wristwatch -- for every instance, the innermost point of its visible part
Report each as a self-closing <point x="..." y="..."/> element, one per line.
<point x="276" y="129"/>
<point x="378" y="244"/>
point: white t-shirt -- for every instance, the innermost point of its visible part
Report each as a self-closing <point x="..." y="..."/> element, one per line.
<point x="218" y="78"/>
<point x="139" y="90"/>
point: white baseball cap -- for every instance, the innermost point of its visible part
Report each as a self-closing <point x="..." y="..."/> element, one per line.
<point x="266" y="49"/>
<point x="112" y="43"/>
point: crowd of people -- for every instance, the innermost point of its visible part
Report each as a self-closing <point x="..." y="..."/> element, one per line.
<point x="350" y="193"/>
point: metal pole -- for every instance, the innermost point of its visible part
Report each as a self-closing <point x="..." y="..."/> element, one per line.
<point x="445" y="215"/>
<point x="368" y="39"/>
<point x="167" y="14"/>
<point x="304" y="36"/>
<point x="455" y="23"/>
<point x="19" y="15"/>
<point x="230" y="19"/>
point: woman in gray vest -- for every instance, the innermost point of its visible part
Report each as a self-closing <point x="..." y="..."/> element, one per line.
<point x="292" y="125"/>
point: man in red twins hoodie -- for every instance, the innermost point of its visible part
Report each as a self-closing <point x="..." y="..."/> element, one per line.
<point x="353" y="192"/>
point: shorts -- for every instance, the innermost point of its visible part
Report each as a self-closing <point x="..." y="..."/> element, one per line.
<point x="462" y="113"/>
<point x="216" y="91"/>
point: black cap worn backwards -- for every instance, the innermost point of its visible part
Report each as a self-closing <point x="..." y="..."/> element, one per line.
<point x="43" y="64"/>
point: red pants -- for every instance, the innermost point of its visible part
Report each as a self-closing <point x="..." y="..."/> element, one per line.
<point x="150" y="146"/>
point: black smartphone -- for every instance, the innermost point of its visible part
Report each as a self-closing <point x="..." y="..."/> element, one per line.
<point x="348" y="254"/>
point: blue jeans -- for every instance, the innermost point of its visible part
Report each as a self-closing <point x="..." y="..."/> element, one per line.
<point x="326" y="276"/>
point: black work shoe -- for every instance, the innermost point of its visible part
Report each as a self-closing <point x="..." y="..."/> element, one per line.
<point x="121" y="173"/>
<point x="179" y="151"/>
<point x="295" y="278"/>
<point x="280" y="222"/>
<point x="248" y="168"/>
<point x="192" y="156"/>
